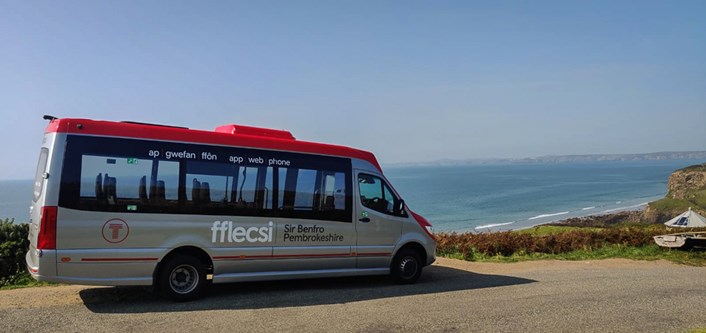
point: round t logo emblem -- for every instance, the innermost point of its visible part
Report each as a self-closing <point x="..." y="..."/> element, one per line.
<point x="115" y="231"/>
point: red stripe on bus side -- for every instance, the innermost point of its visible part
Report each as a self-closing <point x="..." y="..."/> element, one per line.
<point x="240" y="257"/>
<point x="282" y="256"/>
<point x="119" y="259"/>
<point x="374" y="254"/>
<point x="285" y="256"/>
<point x="312" y="255"/>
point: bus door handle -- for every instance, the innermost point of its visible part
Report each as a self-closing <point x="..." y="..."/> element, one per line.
<point x="364" y="220"/>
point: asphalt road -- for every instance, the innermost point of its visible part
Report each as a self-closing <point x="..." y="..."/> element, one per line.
<point x="544" y="296"/>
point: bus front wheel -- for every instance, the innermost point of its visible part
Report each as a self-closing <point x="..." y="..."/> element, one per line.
<point x="406" y="266"/>
<point x="182" y="278"/>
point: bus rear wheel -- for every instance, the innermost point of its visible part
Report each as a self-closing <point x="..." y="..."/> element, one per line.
<point x="406" y="266"/>
<point x="182" y="278"/>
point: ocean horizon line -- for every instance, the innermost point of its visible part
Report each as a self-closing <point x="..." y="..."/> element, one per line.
<point x="561" y="159"/>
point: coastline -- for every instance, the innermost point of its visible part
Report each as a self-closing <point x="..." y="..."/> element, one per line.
<point x="593" y="220"/>
<point x="597" y="219"/>
<point x="601" y="220"/>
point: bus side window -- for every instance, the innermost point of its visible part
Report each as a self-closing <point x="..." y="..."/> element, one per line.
<point x="308" y="189"/>
<point x="377" y="195"/>
<point x="160" y="195"/>
<point x="306" y="192"/>
<point x="167" y="181"/>
<point x="205" y="195"/>
<point x="223" y="187"/>
<point x="288" y="187"/>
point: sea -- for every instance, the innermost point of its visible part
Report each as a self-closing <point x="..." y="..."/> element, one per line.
<point x="479" y="198"/>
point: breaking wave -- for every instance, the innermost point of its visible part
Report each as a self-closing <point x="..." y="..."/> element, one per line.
<point x="625" y="208"/>
<point x="547" y="215"/>
<point x="493" y="225"/>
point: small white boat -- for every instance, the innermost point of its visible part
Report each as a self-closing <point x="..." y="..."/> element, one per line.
<point x="684" y="240"/>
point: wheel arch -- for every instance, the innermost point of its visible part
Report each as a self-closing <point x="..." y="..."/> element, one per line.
<point x="188" y="250"/>
<point x="415" y="246"/>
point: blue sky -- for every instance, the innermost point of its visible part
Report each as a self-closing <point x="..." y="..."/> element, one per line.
<point x="408" y="80"/>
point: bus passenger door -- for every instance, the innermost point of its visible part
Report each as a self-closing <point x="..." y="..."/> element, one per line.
<point x="316" y="233"/>
<point x="378" y="225"/>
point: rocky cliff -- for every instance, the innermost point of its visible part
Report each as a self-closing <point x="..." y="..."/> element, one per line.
<point x="686" y="188"/>
<point x="685" y="182"/>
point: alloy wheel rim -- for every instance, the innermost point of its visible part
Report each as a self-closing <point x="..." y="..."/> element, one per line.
<point x="408" y="268"/>
<point x="184" y="279"/>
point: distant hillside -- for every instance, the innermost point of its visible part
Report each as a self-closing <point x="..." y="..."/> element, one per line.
<point x="686" y="188"/>
<point x="661" y="156"/>
<point x="690" y="155"/>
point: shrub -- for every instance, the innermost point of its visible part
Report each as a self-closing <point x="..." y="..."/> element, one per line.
<point x="13" y="246"/>
<point x="507" y="243"/>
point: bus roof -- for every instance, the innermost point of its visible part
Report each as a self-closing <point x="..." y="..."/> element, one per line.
<point x="230" y="135"/>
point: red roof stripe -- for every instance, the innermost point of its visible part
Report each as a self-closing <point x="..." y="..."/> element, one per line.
<point x="243" y="136"/>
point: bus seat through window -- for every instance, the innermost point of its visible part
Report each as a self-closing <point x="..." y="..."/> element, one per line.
<point x="195" y="191"/>
<point x="330" y="203"/>
<point x="143" y="189"/>
<point x="110" y="189"/>
<point x="99" y="187"/>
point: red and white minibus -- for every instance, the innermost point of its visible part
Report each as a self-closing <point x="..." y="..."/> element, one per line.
<point x="125" y="203"/>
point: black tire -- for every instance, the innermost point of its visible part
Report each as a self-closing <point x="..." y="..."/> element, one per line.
<point x="182" y="278"/>
<point x="406" y="266"/>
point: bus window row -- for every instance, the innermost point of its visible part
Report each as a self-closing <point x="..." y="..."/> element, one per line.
<point x="112" y="183"/>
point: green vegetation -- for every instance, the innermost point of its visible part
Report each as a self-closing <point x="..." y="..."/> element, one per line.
<point x="697" y="200"/>
<point x="648" y="252"/>
<point x="697" y="167"/>
<point x="543" y="230"/>
<point x="13" y="246"/>
<point x="630" y="241"/>
<point x="24" y="280"/>
<point x="671" y="205"/>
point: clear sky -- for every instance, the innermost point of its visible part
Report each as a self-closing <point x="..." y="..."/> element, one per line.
<point x="408" y="80"/>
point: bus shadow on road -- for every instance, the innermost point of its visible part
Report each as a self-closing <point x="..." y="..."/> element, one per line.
<point x="293" y="293"/>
